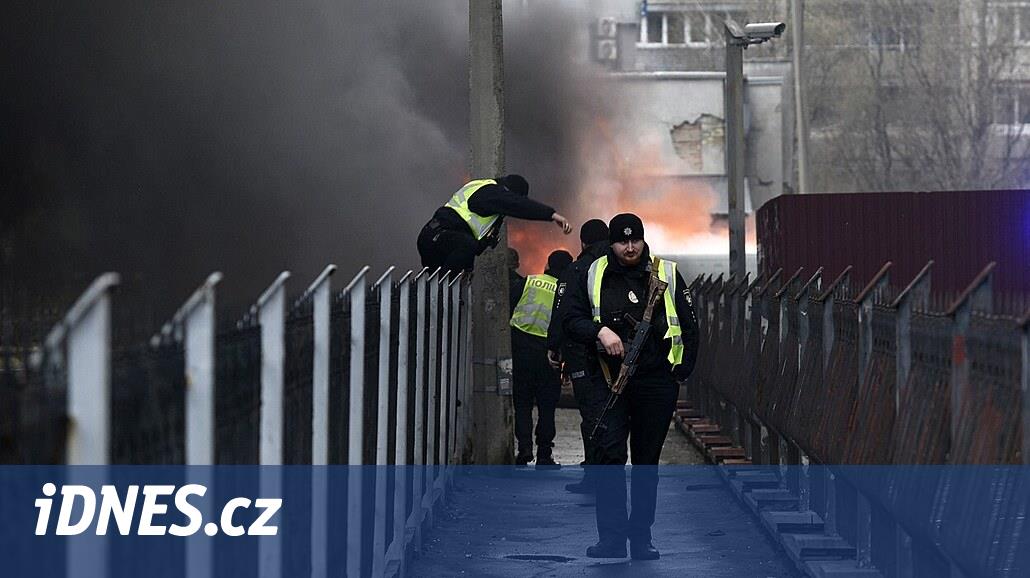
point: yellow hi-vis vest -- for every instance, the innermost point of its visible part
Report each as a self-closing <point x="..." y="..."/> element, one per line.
<point x="667" y="273"/>
<point x="533" y="313"/>
<point x="460" y="203"/>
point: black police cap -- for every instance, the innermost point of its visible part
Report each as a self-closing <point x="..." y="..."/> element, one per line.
<point x="625" y="226"/>
<point x="593" y="231"/>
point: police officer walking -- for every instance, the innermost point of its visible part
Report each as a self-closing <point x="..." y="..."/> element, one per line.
<point x="581" y="368"/>
<point x="468" y="224"/>
<point x="536" y="383"/>
<point x="602" y="306"/>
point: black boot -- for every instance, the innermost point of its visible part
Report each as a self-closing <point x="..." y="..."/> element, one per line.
<point x="544" y="461"/>
<point x="643" y="550"/>
<point x="607" y="548"/>
<point x="523" y="458"/>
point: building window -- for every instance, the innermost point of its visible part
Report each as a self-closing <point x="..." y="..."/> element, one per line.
<point x="652" y="28"/>
<point x="697" y="28"/>
<point x="1012" y="105"/>
<point x="1012" y="23"/>
<point x="680" y="28"/>
<point x="675" y="28"/>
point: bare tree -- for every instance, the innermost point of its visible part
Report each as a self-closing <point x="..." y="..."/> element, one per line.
<point x="902" y="95"/>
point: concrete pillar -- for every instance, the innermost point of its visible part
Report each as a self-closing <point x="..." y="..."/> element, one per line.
<point x="735" y="151"/>
<point x="797" y="14"/>
<point x="492" y="430"/>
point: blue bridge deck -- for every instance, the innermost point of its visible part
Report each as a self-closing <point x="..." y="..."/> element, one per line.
<point x="522" y="522"/>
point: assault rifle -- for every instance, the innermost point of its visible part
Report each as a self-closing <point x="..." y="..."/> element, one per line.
<point x="656" y="288"/>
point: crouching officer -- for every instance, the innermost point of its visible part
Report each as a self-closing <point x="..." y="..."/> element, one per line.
<point x="587" y="386"/>
<point x="469" y="223"/>
<point x="536" y="383"/>
<point x="602" y="306"/>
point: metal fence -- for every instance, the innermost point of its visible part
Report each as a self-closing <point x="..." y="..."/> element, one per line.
<point x="799" y="372"/>
<point x="374" y="375"/>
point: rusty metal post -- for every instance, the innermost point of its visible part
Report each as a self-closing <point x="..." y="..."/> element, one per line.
<point x="701" y="311"/>
<point x="711" y="407"/>
<point x="803" y="297"/>
<point x="866" y="301"/>
<point x="726" y="341"/>
<point x="803" y="480"/>
<point x="788" y="291"/>
<point x="738" y="340"/>
<point x="763" y="309"/>
<point x="977" y="296"/>
<point x="796" y="481"/>
<point x="915" y="295"/>
<point x="828" y="298"/>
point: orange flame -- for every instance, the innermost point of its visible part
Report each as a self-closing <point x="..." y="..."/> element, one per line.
<point x="618" y="176"/>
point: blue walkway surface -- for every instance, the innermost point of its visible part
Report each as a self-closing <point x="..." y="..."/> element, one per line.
<point x="508" y="522"/>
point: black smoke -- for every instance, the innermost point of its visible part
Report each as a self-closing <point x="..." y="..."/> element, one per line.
<point x="166" y="140"/>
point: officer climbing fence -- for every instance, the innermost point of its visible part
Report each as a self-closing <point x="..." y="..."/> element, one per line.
<point x="815" y="377"/>
<point x="375" y="374"/>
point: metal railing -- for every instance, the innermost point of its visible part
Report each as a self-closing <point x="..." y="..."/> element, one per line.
<point x="374" y="375"/>
<point x="798" y="372"/>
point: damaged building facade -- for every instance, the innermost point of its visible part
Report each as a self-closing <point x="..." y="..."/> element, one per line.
<point x="667" y="59"/>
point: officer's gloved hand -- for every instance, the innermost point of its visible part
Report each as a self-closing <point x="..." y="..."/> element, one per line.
<point x="554" y="359"/>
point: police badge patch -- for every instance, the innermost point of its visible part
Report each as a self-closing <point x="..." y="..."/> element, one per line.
<point x="627" y="231"/>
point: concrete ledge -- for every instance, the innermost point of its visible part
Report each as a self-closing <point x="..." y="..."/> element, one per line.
<point x="800" y="534"/>
<point x="792" y="522"/>
<point x="775" y="499"/>
<point x="839" y="569"/>
<point x="808" y="547"/>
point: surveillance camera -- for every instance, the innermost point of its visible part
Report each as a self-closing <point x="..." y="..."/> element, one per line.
<point x="763" y="31"/>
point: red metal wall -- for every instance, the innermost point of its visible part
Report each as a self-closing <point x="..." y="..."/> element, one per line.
<point x="961" y="231"/>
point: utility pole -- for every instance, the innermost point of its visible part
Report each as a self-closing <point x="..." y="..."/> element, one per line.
<point x="735" y="149"/>
<point x="492" y="433"/>
<point x="738" y="39"/>
<point x="797" y="15"/>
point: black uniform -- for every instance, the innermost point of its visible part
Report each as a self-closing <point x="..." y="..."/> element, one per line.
<point x="587" y="385"/>
<point x="642" y="413"/>
<point x="535" y="383"/>
<point x="447" y="241"/>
